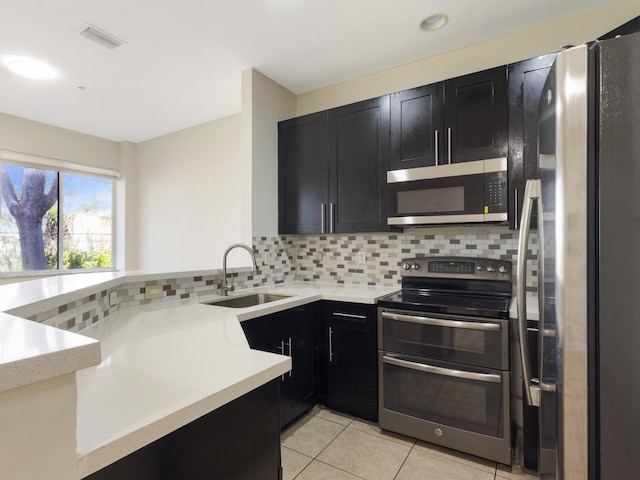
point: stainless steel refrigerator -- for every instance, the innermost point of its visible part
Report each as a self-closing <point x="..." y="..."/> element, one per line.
<point x="588" y="201"/>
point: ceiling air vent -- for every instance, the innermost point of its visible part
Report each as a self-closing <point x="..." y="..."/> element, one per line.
<point x="100" y="36"/>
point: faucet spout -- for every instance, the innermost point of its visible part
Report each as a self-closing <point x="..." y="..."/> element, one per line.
<point x="224" y="286"/>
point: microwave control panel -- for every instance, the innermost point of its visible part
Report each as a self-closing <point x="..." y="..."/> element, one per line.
<point x="495" y="192"/>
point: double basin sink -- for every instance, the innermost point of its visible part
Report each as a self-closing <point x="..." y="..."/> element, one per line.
<point x="250" y="300"/>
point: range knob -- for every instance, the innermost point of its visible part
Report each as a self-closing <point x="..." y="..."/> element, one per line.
<point x="502" y="269"/>
<point x="406" y="266"/>
<point x="415" y="266"/>
<point x="491" y="268"/>
<point x="479" y="268"/>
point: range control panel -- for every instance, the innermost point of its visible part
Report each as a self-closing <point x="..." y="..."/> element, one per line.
<point x="456" y="267"/>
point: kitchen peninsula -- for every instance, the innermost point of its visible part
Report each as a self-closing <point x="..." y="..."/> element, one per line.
<point x="163" y="366"/>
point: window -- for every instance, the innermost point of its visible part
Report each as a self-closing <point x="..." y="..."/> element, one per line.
<point x="54" y="216"/>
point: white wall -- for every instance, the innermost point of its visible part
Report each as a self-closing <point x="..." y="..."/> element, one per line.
<point x="188" y="187"/>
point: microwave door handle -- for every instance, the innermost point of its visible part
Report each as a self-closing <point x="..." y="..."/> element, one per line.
<point x="449" y="143"/>
<point x="531" y="193"/>
<point x="435" y="141"/>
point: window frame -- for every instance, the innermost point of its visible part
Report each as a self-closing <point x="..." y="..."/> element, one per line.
<point x="60" y="167"/>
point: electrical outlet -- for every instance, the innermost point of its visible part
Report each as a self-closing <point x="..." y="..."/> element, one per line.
<point x="113" y="298"/>
<point x="362" y="256"/>
<point x="152" y="291"/>
<point x="319" y="256"/>
<point x="266" y="258"/>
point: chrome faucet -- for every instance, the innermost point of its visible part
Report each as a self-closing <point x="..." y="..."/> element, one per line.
<point x="224" y="286"/>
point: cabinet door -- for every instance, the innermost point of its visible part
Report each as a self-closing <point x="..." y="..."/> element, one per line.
<point x="351" y="359"/>
<point x="292" y="333"/>
<point x="303" y="175"/>
<point x="298" y="388"/>
<point x="416" y="127"/>
<point x="475" y="116"/>
<point x="358" y="161"/>
<point x="526" y="80"/>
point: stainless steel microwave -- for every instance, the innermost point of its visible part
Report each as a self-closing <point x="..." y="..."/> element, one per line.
<point x="466" y="192"/>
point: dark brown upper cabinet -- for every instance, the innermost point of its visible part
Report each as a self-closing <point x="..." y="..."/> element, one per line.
<point x="358" y="163"/>
<point x="416" y="127"/>
<point x="303" y="174"/>
<point x="526" y="81"/>
<point x="458" y="120"/>
<point x="331" y="170"/>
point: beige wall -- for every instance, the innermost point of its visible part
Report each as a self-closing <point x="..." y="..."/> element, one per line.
<point x="190" y="194"/>
<point x="264" y="104"/>
<point x="512" y="48"/>
<point x="25" y="136"/>
<point x="34" y="138"/>
<point x="38" y="434"/>
<point x="188" y="187"/>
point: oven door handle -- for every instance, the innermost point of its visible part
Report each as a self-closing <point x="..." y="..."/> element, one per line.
<point x="481" y="377"/>
<point x="439" y="322"/>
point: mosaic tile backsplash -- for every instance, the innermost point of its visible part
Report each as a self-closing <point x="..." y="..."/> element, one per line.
<point x="363" y="259"/>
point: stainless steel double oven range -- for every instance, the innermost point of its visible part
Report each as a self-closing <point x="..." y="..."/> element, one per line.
<point x="443" y="354"/>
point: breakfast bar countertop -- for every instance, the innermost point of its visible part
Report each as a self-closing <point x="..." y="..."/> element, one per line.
<point x="165" y="365"/>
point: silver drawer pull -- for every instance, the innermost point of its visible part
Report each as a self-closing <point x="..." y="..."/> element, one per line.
<point x="350" y="316"/>
<point x="480" y="377"/>
<point x="439" y="322"/>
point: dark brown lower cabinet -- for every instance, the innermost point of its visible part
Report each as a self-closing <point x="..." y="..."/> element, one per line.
<point x="238" y="441"/>
<point x="290" y="332"/>
<point x="350" y="359"/>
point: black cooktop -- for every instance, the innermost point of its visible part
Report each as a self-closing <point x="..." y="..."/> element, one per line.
<point x="454" y="285"/>
<point x="449" y="303"/>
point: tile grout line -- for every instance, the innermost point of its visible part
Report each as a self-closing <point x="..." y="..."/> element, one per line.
<point x="405" y="461"/>
<point x="344" y="427"/>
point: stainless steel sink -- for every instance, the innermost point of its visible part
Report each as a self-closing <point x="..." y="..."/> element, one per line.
<point x="247" y="300"/>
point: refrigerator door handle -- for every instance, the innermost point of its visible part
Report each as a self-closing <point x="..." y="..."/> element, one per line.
<point x="531" y="193"/>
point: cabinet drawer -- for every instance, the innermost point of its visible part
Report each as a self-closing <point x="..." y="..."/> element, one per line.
<point x="354" y="315"/>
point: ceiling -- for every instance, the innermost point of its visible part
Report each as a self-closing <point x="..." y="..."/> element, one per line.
<point x="182" y="60"/>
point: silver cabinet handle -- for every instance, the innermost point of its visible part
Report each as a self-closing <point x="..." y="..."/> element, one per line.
<point x="323" y="215"/>
<point x="422" y="367"/>
<point x="281" y="348"/>
<point x="331" y="214"/>
<point x="435" y="141"/>
<point x="439" y="322"/>
<point x="449" y="143"/>
<point x="531" y="193"/>
<point x="290" y="355"/>
<point x="350" y="316"/>
<point x="330" y="344"/>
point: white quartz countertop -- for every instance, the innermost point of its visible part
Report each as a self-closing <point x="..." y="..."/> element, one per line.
<point x="31" y="352"/>
<point x="531" y="306"/>
<point x="164" y="366"/>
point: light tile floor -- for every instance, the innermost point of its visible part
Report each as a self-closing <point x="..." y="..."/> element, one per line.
<point x="326" y="445"/>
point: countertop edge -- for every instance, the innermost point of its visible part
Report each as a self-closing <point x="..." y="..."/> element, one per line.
<point x="60" y="352"/>
<point x="113" y="450"/>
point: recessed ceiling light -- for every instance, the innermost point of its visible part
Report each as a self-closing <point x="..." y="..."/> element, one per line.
<point x="29" y="68"/>
<point x="434" y="22"/>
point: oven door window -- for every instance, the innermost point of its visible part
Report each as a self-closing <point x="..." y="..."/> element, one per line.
<point x="483" y="343"/>
<point x="468" y="399"/>
<point x="442" y="196"/>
